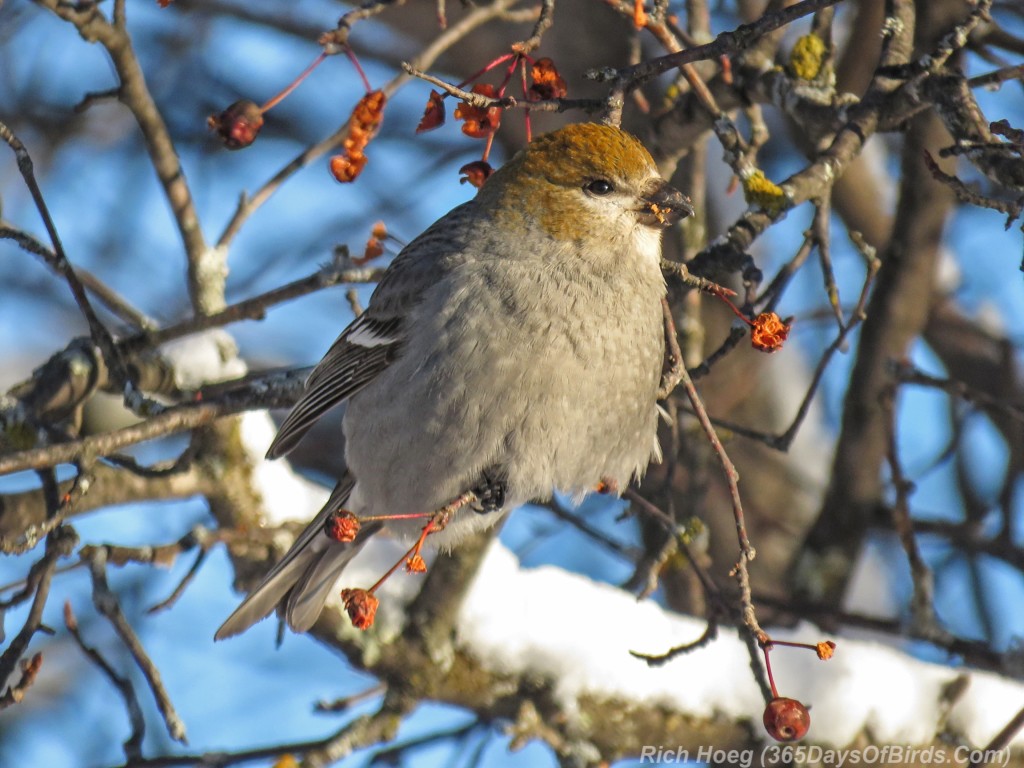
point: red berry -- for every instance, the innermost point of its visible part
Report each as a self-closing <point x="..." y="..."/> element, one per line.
<point x="342" y="526"/>
<point x="238" y="124"/>
<point x="476" y="173"/>
<point x="786" y="719"/>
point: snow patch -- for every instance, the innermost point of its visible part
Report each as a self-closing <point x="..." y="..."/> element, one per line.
<point x="204" y="358"/>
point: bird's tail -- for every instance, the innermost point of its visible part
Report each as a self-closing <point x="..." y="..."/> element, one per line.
<point x="304" y="577"/>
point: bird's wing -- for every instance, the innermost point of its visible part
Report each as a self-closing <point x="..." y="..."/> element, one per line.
<point x="371" y="342"/>
<point x="360" y="353"/>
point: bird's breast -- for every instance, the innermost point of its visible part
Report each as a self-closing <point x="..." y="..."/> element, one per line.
<point x="543" y="370"/>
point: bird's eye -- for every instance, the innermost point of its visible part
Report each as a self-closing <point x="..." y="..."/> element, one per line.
<point x="599" y="187"/>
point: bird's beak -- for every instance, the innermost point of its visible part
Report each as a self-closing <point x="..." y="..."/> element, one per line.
<point x="662" y="205"/>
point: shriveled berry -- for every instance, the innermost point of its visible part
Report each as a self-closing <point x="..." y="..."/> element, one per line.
<point x="476" y="173"/>
<point x="361" y="607"/>
<point x="239" y="124"/>
<point x="786" y="719"/>
<point x="433" y="115"/>
<point x="768" y="332"/>
<point x="342" y="526"/>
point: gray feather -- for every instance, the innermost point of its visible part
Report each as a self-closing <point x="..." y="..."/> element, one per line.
<point x="347" y="367"/>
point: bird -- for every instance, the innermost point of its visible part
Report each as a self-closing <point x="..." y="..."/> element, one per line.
<point x="514" y="349"/>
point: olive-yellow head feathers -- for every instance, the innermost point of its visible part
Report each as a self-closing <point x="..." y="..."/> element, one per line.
<point x="585" y="181"/>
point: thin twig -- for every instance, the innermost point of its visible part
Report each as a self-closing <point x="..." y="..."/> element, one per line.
<point x="112" y="300"/>
<point x="544" y="21"/>
<point x="255" y="308"/>
<point x="15" y="693"/>
<point x="908" y="373"/>
<point x="205" y="266"/>
<point x="820" y="230"/>
<point x="1012" y="208"/>
<point x="747" y="552"/>
<point x="772" y="294"/>
<point x="346" y="703"/>
<point x="60" y="543"/>
<point x="676" y="533"/>
<point x="1000" y="743"/>
<point x="783" y="441"/>
<point x="726" y="43"/>
<point x="623" y="550"/>
<point x="133" y="745"/>
<point x="100" y="335"/>
<point x="997" y="78"/>
<point x="107" y="604"/>
<point x="482" y="101"/>
<point x="170" y="468"/>
<point x="179" y="590"/>
<point x="656" y="660"/>
<point x="923" y="601"/>
<point x="478" y="100"/>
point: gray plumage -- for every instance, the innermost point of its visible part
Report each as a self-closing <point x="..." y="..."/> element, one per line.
<point x="508" y="338"/>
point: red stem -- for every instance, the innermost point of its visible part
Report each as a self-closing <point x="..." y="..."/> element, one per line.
<point x="735" y="310"/>
<point x="295" y="84"/>
<point x="766" y="648"/>
<point x="500" y="60"/>
<point x="808" y="646"/>
<point x="359" y="68"/>
<point x="487" y="146"/>
<point x="410" y="516"/>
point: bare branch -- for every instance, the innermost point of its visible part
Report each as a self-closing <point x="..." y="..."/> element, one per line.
<point x="274" y="391"/>
<point x="726" y="43"/>
<point x="100" y="335"/>
<point x="59" y="543"/>
<point x="205" y="265"/>
<point x="133" y="745"/>
<point x="107" y="604"/>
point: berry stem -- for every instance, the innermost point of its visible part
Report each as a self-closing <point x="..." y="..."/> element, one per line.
<point x="392" y="569"/>
<point x="766" y="648"/>
<point x="526" y="96"/>
<point x="410" y="516"/>
<point x="438" y="520"/>
<point x="359" y="68"/>
<point x="516" y="59"/>
<point x="735" y="309"/>
<point x="274" y="101"/>
<point x="487" y="146"/>
<point x="789" y="644"/>
<point x="498" y="61"/>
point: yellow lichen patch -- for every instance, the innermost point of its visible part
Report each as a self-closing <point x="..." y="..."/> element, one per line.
<point x="806" y="59"/>
<point x="19" y="436"/>
<point x="758" y="189"/>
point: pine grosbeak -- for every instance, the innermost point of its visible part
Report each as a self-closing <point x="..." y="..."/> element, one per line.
<point x="514" y="348"/>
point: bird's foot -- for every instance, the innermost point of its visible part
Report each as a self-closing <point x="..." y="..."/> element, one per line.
<point x="490" y="493"/>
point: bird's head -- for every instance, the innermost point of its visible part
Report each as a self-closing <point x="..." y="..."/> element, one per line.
<point x="586" y="182"/>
